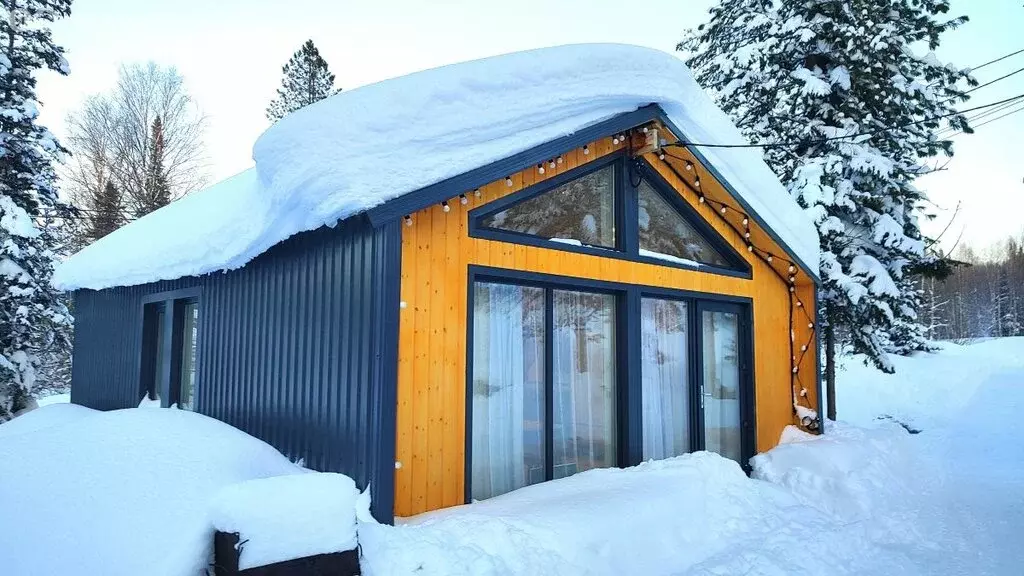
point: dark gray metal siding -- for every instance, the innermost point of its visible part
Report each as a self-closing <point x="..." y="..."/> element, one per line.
<point x="298" y="348"/>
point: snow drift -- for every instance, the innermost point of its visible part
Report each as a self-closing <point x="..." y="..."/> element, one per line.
<point x="363" y="147"/>
<point x="122" y="492"/>
<point x="694" y="514"/>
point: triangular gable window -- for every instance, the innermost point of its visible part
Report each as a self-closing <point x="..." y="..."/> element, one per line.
<point x="579" y="211"/>
<point x="591" y="211"/>
<point x="665" y="233"/>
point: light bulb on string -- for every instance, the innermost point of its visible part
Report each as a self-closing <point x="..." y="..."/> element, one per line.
<point x="476" y="192"/>
<point x="508" y="181"/>
<point x="586" y="150"/>
<point x="540" y="168"/>
<point x="408" y="220"/>
<point x="463" y="200"/>
<point x="445" y="206"/>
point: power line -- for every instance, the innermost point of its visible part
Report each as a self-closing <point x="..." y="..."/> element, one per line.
<point x="991" y="82"/>
<point x="1000" y="59"/>
<point x="845" y="136"/>
<point x="974" y="118"/>
<point x="1021" y="108"/>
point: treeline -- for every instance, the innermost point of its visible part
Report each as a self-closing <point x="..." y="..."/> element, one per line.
<point x="984" y="296"/>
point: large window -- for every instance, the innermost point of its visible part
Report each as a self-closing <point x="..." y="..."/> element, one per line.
<point x="613" y="211"/>
<point x="581" y="210"/>
<point x="538" y="352"/>
<point x="169" y="344"/>
<point x="665" y="233"/>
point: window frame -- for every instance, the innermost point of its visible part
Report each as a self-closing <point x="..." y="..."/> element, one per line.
<point x="628" y="376"/>
<point x="626" y="205"/>
<point x="168" y="383"/>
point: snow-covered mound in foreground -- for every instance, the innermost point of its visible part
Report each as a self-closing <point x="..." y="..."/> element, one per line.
<point x="695" y="514"/>
<point x="363" y="147"/>
<point x="44" y="417"/>
<point x="122" y="492"/>
<point x="287" y="517"/>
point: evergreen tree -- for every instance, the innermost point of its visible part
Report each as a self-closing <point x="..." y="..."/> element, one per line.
<point x="306" y="80"/>
<point x="107" y="212"/>
<point x="156" y="192"/>
<point x="802" y="76"/>
<point x="32" y="313"/>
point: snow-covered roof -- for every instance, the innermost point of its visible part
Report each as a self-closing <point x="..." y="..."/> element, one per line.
<point x="364" y="147"/>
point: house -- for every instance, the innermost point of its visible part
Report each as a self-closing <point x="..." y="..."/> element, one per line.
<point x="455" y="283"/>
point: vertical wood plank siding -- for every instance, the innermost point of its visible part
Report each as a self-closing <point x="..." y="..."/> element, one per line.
<point x="292" y="348"/>
<point x="436" y="253"/>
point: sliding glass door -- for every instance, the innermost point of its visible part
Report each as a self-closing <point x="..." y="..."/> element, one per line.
<point x="720" y="379"/>
<point x="665" y="375"/>
<point x="692" y="392"/>
<point x="544" y="385"/>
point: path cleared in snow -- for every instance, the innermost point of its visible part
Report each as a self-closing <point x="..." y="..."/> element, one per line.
<point x="968" y="402"/>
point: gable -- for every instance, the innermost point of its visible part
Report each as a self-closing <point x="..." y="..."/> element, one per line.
<point x="617" y="207"/>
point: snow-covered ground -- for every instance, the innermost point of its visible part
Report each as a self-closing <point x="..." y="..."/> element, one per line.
<point x="139" y="491"/>
<point x="868" y="498"/>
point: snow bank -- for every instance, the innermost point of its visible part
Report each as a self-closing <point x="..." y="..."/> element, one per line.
<point x="844" y="472"/>
<point x="287" y="517"/>
<point x="363" y="147"/>
<point x="122" y="492"/>
<point x="47" y="416"/>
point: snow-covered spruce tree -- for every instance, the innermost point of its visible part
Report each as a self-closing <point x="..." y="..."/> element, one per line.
<point x="306" y="80"/>
<point x="155" y="193"/>
<point x="107" y="212"/>
<point x="801" y="77"/>
<point x="31" y="312"/>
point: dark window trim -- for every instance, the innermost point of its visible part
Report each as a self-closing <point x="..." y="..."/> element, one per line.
<point x="681" y="206"/>
<point x="173" y="302"/>
<point x="627" y="243"/>
<point x="628" y="413"/>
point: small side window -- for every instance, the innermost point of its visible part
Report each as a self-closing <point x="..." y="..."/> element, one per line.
<point x="169" y="343"/>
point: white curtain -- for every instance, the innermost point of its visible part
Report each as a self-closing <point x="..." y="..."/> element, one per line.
<point x="720" y="334"/>
<point x="584" y="382"/>
<point x="508" y="402"/>
<point x="665" y="380"/>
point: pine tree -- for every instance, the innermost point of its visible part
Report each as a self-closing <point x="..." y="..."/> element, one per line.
<point x="306" y="80"/>
<point x="157" y="193"/>
<point x="32" y="313"/>
<point x="804" y="75"/>
<point x="107" y="212"/>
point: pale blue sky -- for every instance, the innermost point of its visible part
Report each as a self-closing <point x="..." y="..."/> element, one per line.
<point x="231" y="53"/>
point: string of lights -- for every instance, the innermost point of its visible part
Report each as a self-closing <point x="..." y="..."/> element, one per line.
<point x="788" y="273"/>
<point x="722" y="210"/>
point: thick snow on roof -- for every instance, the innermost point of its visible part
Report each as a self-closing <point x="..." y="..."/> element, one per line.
<point x="364" y="147"/>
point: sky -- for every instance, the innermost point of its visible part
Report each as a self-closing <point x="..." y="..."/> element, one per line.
<point x="231" y="52"/>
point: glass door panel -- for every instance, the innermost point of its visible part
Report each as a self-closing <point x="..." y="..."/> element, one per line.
<point x="508" y="388"/>
<point x="583" y="387"/>
<point x="665" y="381"/>
<point x="720" y="383"/>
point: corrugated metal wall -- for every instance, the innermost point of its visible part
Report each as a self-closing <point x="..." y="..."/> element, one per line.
<point x="298" y="348"/>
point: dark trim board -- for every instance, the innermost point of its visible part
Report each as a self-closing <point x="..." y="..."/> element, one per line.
<point x="452" y="187"/>
<point x="629" y="413"/>
<point x="626" y="218"/>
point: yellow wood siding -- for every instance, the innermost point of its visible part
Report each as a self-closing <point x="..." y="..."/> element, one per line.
<point x="436" y="254"/>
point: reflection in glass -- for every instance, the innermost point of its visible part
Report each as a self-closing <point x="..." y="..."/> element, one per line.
<point x="719" y="333"/>
<point x="664" y="231"/>
<point x="508" y="388"/>
<point x="584" y="382"/>
<point x="665" y="389"/>
<point x="582" y="209"/>
<point x="190" y="327"/>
